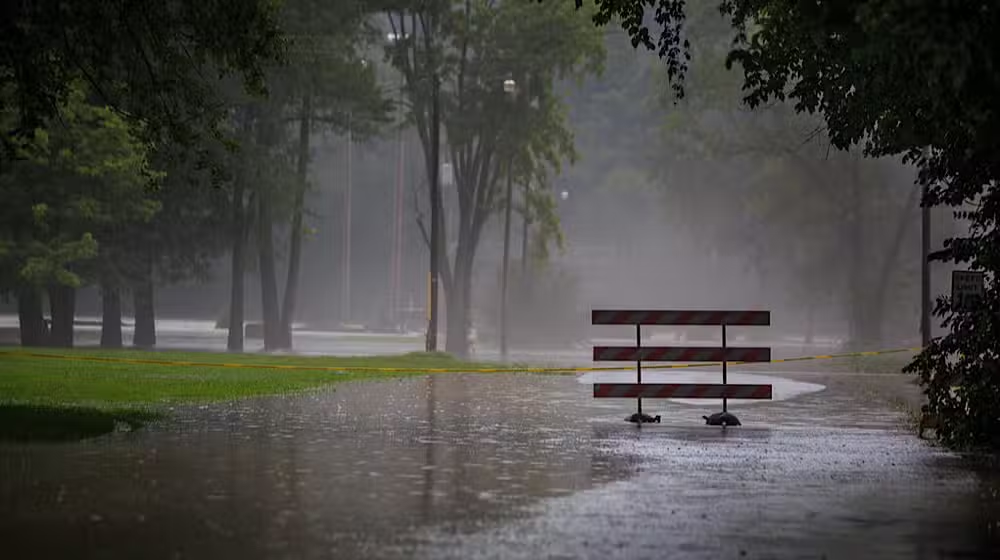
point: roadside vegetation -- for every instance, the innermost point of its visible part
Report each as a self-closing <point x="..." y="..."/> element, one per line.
<point x="62" y="395"/>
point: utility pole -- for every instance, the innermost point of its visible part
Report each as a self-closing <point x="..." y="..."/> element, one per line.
<point x="525" y="232"/>
<point x="345" y="294"/>
<point x="510" y="89"/>
<point x="397" y="281"/>
<point x="396" y="259"/>
<point x="506" y="260"/>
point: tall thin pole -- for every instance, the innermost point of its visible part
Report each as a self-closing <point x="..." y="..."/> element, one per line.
<point x="397" y="279"/>
<point x="432" y="326"/>
<point x="638" y="368"/>
<point x="345" y="302"/>
<point x="394" y="259"/>
<point x="725" y="372"/>
<point x="525" y="233"/>
<point x="925" y="271"/>
<point x="506" y="261"/>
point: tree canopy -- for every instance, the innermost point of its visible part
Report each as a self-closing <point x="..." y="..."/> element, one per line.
<point x="155" y="61"/>
<point x="462" y="52"/>
<point x="898" y="78"/>
<point x="83" y="174"/>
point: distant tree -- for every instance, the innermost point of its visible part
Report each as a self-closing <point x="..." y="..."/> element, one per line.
<point x="900" y="78"/>
<point x="77" y="184"/>
<point x="154" y="64"/>
<point x="187" y="233"/>
<point x="324" y="83"/>
<point x="462" y="52"/>
<point x="148" y="60"/>
<point x="803" y="204"/>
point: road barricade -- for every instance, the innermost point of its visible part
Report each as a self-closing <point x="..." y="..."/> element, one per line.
<point x="640" y="354"/>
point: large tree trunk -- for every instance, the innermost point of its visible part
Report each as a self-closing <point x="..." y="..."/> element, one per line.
<point x="295" y="243"/>
<point x="459" y="299"/>
<point x="62" y="304"/>
<point x="236" y="295"/>
<point x="111" y="315"/>
<point x="456" y="339"/>
<point x="144" y="307"/>
<point x="268" y="280"/>
<point x="30" y="318"/>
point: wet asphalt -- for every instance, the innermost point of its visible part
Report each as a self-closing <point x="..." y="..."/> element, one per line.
<point x="505" y="466"/>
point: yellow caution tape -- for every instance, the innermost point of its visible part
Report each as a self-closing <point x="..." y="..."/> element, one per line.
<point x="570" y="369"/>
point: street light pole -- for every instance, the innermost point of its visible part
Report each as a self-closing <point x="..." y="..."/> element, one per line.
<point x="506" y="260"/>
<point x="525" y="233"/>
<point x="395" y="263"/>
<point x="510" y="89"/>
<point x="346" y="286"/>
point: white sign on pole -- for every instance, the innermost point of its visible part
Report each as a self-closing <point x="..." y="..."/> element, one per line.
<point x="447" y="174"/>
<point x="968" y="288"/>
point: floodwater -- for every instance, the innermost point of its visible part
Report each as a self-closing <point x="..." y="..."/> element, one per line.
<point x="201" y="335"/>
<point x="503" y="466"/>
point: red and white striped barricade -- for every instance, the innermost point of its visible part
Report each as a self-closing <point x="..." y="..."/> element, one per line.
<point x="723" y="354"/>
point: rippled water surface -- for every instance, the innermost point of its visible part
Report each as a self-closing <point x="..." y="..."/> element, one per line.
<point x="501" y="466"/>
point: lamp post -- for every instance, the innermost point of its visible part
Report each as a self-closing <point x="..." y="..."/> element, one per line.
<point x="510" y="90"/>
<point x="396" y="259"/>
<point x="345" y="294"/>
<point x="525" y="233"/>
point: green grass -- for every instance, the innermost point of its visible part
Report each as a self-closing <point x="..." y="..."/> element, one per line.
<point x="41" y="423"/>
<point x="72" y="394"/>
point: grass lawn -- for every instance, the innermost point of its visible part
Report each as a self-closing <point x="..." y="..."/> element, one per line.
<point x="72" y="394"/>
<point x="63" y="394"/>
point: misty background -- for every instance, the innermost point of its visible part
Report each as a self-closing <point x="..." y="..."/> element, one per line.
<point x="698" y="203"/>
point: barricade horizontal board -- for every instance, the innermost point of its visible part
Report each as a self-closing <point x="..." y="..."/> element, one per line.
<point x="680" y="391"/>
<point x="679" y="317"/>
<point x="680" y="354"/>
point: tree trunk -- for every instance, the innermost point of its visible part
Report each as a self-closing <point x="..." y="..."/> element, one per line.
<point x="30" y="317"/>
<point x="268" y="280"/>
<point x="144" y="308"/>
<point x="855" y="246"/>
<point x="62" y="304"/>
<point x="111" y="315"/>
<point x="295" y="242"/>
<point x="456" y="339"/>
<point x="236" y="296"/>
<point x="459" y="298"/>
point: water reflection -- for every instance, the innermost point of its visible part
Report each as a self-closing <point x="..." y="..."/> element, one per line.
<point x="500" y="466"/>
<point x="297" y="474"/>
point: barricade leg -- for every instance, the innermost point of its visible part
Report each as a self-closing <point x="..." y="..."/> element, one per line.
<point x="723" y="418"/>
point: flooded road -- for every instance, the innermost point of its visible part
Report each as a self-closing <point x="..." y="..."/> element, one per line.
<point x="503" y="466"/>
